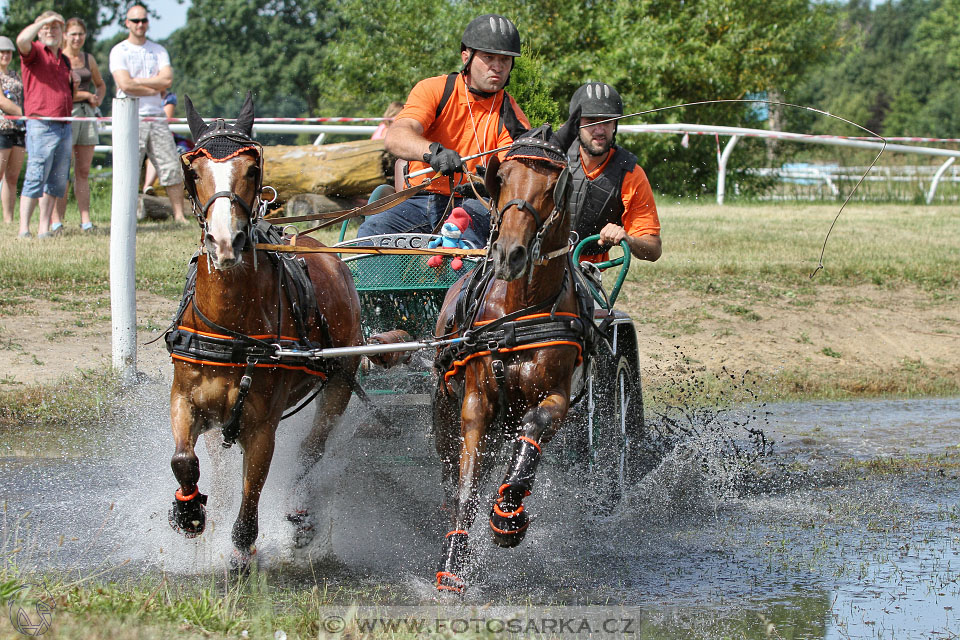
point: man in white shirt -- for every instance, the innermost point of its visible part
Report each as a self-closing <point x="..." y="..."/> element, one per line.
<point x="141" y="68"/>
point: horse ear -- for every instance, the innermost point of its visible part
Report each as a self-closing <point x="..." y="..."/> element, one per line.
<point x="196" y="123"/>
<point x="565" y="135"/>
<point x="245" y="117"/>
<point x="490" y="179"/>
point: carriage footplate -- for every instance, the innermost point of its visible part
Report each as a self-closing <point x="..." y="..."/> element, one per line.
<point x="188" y="515"/>
<point x="303" y="528"/>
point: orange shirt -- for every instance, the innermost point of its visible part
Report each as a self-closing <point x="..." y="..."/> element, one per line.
<point x="640" y="216"/>
<point x="467" y="124"/>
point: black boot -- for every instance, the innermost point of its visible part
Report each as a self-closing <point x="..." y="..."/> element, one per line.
<point x="508" y="518"/>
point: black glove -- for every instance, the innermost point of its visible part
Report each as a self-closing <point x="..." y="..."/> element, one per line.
<point x="570" y="131"/>
<point x="445" y="161"/>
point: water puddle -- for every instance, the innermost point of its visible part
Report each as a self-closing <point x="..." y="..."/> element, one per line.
<point x="847" y="527"/>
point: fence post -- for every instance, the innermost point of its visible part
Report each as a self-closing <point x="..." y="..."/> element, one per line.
<point x="936" y="179"/>
<point x="123" y="236"/>
<point x="722" y="169"/>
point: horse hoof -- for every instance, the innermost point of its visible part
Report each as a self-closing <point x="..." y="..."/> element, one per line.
<point x="449" y="583"/>
<point x="508" y="527"/>
<point x="303" y="531"/>
<point x="188" y="517"/>
<point x="241" y="561"/>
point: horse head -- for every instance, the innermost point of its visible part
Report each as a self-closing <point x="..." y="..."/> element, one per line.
<point x="533" y="184"/>
<point x="223" y="177"/>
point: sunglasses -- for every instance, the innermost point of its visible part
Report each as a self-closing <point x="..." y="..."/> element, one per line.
<point x="138" y="20"/>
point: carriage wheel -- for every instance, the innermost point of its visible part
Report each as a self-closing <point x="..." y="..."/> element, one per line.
<point x="617" y="431"/>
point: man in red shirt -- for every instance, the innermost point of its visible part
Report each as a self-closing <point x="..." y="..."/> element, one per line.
<point x="47" y="91"/>
<point x="446" y="117"/>
<point x="611" y="195"/>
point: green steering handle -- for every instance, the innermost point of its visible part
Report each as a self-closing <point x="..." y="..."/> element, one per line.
<point x="622" y="260"/>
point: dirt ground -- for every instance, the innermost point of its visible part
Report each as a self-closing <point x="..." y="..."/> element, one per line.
<point x="839" y="331"/>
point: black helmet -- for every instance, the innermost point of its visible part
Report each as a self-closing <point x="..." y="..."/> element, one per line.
<point x="492" y="33"/>
<point x="597" y="100"/>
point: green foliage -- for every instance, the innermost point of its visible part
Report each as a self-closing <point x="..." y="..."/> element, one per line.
<point x="96" y="14"/>
<point x="353" y="57"/>
<point x="269" y="47"/>
<point x="896" y="71"/>
<point x="532" y="93"/>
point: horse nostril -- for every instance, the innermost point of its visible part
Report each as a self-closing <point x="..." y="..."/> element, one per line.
<point x="517" y="258"/>
<point x="209" y="239"/>
<point x="239" y="241"/>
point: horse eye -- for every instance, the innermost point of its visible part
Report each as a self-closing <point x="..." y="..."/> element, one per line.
<point x="253" y="172"/>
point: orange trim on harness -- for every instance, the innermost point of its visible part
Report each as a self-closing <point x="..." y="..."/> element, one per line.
<point x="508" y="533"/>
<point x="531" y="317"/>
<point x="447" y="574"/>
<point x="458" y="364"/>
<point x="531" y="441"/>
<point x="456" y="531"/>
<point x="208" y="334"/>
<point x="258" y="365"/>
<point x="506" y="514"/>
<point x="182" y="498"/>
<point x="190" y="156"/>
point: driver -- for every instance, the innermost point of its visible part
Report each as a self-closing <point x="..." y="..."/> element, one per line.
<point x="462" y="113"/>
<point x="611" y="195"/>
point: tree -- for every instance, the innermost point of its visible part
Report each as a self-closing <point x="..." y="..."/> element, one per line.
<point x="96" y="14"/>
<point x="270" y="47"/>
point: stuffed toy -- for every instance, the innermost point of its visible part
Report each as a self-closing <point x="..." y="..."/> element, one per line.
<point x="449" y="237"/>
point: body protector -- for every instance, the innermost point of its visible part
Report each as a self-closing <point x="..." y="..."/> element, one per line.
<point x="594" y="203"/>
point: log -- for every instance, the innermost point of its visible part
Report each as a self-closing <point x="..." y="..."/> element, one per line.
<point x="154" y="208"/>
<point x="309" y="203"/>
<point x="341" y="170"/>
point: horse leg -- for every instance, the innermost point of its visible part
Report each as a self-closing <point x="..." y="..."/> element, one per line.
<point x="330" y="405"/>
<point x="258" y="440"/>
<point x="476" y="414"/>
<point x="187" y="516"/>
<point x="508" y="520"/>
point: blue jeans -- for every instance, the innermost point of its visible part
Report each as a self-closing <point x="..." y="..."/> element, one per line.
<point x="421" y="214"/>
<point x="49" y="146"/>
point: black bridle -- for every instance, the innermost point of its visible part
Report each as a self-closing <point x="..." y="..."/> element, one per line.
<point x="537" y="150"/>
<point x="219" y="144"/>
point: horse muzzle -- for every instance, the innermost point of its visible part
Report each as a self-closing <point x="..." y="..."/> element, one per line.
<point x="509" y="263"/>
<point x="225" y="253"/>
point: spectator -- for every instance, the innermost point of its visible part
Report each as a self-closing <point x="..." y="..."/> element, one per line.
<point x="141" y="68"/>
<point x="611" y="195"/>
<point x="12" y="139"/>
<point x="89" y="94"/>
<point x="392" y="110"/>
<point x="150" y="173"/>
<point x="48" y="92"/>
<point x="446" y="116"/>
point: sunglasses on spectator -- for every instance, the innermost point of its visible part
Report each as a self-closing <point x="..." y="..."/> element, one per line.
<point x="138" y="20"/>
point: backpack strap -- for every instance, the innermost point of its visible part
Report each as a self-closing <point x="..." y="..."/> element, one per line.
<point x="447" y="92"/>
<point x="508" y="118"/>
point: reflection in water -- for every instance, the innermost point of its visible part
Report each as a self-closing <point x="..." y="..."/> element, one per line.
<point x="815" y="538"/>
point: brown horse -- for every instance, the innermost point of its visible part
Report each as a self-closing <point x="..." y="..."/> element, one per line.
<point x="523" y="337"/>
<point x="244" y="303"/>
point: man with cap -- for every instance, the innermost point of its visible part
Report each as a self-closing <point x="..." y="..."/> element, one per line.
<point x="611" y="195"/>
<point x="141" y="68"/>
<point x="48" y="91"/>
<point x="447" y="117"/>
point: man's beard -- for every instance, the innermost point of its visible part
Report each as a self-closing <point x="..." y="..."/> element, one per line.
<point x="587" y="144"/>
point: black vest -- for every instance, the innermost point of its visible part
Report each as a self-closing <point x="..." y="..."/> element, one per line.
<point x="594" y="203"/>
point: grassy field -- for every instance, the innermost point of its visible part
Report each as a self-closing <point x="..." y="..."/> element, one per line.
<point x="729" y="260"/>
